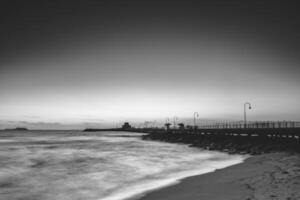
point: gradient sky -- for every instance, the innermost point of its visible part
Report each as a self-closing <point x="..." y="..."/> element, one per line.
<point x="109" y="61"/>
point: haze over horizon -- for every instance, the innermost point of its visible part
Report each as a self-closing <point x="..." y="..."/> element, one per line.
<point x="100" y="62"/>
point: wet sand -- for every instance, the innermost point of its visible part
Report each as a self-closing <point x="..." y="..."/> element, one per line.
<point x="272" y="176"/>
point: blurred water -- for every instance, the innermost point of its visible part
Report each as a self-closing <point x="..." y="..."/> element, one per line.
<point x="73" y="165"/>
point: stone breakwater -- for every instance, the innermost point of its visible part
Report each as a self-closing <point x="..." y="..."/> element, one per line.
<point x="229" y="144"/>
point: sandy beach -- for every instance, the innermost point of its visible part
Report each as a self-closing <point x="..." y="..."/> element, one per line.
<point x="274" y="176"/>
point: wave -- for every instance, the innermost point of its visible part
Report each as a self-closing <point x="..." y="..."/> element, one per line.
<point x="104" y="166"/>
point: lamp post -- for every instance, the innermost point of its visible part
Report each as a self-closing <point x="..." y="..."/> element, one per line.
<point x="245" y="116"/>
<point x="167" y="124"/>
<point x="174" y="120"/>
<point x="196" y="115"/>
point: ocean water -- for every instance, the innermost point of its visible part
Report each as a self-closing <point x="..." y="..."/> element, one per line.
<point x="74" y="165"/>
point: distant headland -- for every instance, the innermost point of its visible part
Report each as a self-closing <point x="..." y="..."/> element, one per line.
<point x="16" y="129"/>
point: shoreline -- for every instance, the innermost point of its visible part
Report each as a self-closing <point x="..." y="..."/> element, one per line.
<point x="272" y="173"/>
<point x="267" y="176"/>
<point x="177" y="180"/>
<point x="230" y="144"/>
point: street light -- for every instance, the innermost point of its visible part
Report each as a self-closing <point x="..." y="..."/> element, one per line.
<point x="196" y="114"/>
<point x="167" y="124"/>
<point x="245" y="117"/>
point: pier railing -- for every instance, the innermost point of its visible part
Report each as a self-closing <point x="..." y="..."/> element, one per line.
<point x="251" y="124"/>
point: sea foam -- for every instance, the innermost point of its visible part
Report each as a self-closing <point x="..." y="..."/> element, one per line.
<point x="102" y="166"/>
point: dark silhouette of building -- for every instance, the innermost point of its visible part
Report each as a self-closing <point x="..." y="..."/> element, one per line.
<point x="181" y="126"/>
<point x="167" y="125"/>
<point x="126" y="125"/>
<point x="189" y="127"/>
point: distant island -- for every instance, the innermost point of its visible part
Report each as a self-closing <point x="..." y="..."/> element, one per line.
<point x="16" y="129"/>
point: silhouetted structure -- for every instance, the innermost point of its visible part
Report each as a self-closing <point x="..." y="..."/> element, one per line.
<point x="181" y="126"/>
<point x="16" y="129"/>
<point x="245" y="116"/>
<point x="167" y="125"/>
<point x="196" y="115"/>
<point x="126" y="125"/>
<point x="280" y="129"/>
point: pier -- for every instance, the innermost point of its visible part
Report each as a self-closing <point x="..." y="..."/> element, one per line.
<point x="287" y="129"/>
<point x="235" y="137"/>
<point x="278" y="129"/>
<point x="253" y="138"/>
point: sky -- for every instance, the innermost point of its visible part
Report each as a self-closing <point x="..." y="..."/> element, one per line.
<point x="99" y="63"/>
